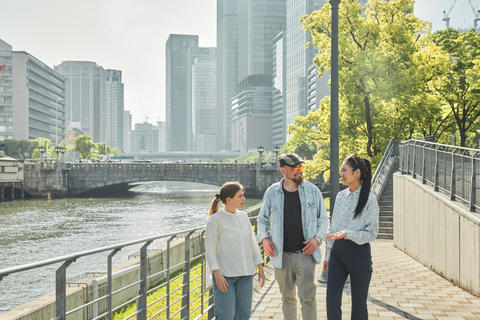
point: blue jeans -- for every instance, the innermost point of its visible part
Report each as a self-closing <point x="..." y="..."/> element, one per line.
<point x="236" y="303"/>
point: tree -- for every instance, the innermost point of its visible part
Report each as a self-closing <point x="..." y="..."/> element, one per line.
<point x="382" y="77"/>
<point x="84" y="146"/>
<point x="458" y="86"/>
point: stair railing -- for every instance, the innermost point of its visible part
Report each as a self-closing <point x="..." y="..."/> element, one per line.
<point x="380" y="178"/>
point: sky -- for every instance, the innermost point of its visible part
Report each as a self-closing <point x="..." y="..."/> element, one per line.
<point x="130" y="35"/>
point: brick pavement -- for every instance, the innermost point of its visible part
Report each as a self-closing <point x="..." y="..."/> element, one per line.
<point x="401" y="288"/>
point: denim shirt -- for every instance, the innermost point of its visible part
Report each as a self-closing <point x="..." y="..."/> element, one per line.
<point x="270" y="218"/>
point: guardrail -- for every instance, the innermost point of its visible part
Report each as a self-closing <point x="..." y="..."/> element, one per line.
<point x="140" y="298"/>
<point x="447" y="168"/>
<point x="383" y="171"/>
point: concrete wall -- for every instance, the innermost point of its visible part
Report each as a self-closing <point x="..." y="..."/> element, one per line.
<point x="44" y="307"/>
<point x="441" y="234"/>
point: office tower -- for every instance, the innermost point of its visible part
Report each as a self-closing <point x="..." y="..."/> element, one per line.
<point x="31" y="98"/>
<point x="252" y="102"/>
<point x="298" y="58"/>
<point x="114" y="135"/>
<point x="85" y="96"/>
<point x="251" y="115"/>
<point x="145" y="138"/>
<point x="279" y="80"/>
<point x="127" y="131"/>
<point x="231" y="37"/>
<point x="202" y="99"/>
<point x="176" y="104"/>
<point x="162" y="140"/>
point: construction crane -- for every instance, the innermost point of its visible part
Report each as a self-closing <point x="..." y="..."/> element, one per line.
<point x="446" y="14"/>
<point x="476" y="13"/>
<point x="143" y="111"/>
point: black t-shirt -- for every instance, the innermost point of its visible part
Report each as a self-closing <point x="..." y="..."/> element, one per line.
<point x="292" y="222"/>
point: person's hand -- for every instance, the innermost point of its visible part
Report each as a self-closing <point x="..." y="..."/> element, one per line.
<point x="325" y="265"/>
<point x="261" y="275"/>
<point x="268" y="247"/>
<point x="337" y="235"/>
<point x="220" y="280"/>
<point x="310" y="246"/>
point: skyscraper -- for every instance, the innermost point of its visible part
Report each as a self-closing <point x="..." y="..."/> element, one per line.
<point x="114" y="110"/>
<point x="278" y="94"/>
<point x="85" y="96"/>
<point x="298" y="58"/>
<point x="202" y="99"/>
<point x="176" y="102"/>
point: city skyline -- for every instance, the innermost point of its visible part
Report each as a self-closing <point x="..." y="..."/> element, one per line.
<point x="130" y="36"/>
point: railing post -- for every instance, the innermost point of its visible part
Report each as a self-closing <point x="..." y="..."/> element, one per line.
<point x="408" y="159"/>
<point x="186" y="280"/>
<point x="453" y="177"/>
<point x="109" y="283"/>
<point x="424" y="180"/>
<point x="61" y="291"/>
<point x="169" y="241"/>
<point x="142" y="291"/>
<point x="414" y="161"/>
<point x="473" y="193"/>
<point x="435" y="179"/>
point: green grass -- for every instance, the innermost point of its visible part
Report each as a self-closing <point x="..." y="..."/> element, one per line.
<point x="159" y="294"/>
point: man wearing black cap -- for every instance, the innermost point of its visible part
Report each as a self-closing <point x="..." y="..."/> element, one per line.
<point x="291" y="225"/>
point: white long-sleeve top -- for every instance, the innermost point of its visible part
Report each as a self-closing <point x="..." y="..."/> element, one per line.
<point x="230" y="244"/>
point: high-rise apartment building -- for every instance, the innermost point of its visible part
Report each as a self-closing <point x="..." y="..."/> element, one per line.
<point x="298" y="58"/>
<point x="114" y="111"/>
<point x="202" y="99"/>
<point x="279" y="80"/>
<point x="145" y="138"/>
<point x="127" y="131"/>
<point x="31" y="98"/>
<point x="86" y="96"/>
<point x="176" y="102"/>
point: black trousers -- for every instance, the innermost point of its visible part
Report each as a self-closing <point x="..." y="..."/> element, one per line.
<point x="349" y="258"/>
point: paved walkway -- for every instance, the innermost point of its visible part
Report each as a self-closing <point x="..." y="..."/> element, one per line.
<point x="401" y="288"/>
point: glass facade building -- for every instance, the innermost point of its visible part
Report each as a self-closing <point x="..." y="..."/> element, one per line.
<point x="176" y="93"/>
<point x="114" y="110"/>
<point x="86" y="96"/>
<point x="278" y="94"/>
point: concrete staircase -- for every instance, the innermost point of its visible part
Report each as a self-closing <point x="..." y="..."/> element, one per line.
<point x="386" y="211"/>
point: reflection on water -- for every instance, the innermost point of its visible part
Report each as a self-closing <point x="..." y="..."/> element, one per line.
<point x="38" y="229"/>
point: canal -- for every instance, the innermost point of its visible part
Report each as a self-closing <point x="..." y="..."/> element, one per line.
<point x="35" y="230"/>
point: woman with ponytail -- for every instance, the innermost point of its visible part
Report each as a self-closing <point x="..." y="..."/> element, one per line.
<point x="354" y="224"/>
<point x="232" y="253"/>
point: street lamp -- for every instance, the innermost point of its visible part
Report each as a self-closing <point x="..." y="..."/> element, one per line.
<point x="260" y="150"/>
<point x="56" y="119"/>
<point x="276" y="150"/>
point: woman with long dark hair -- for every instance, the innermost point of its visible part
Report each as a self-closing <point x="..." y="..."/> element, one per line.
<point x="353" y="226"/>
<point x="233" y="255"/>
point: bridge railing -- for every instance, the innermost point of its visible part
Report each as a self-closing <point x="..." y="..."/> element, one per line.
<point x="383" y="171"/>
<point x="204" y="307"/>
<point x="451" y="169"/>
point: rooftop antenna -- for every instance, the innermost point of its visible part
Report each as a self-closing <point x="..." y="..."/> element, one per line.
<point x="446" y="14"/>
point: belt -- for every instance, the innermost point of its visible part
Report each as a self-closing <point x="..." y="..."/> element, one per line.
<point x="298" y="251"/>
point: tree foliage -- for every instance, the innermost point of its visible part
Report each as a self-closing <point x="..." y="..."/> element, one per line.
<point x="385" y="64"/>
<point x="458" y="85"/>
<point x="84" y="146"/>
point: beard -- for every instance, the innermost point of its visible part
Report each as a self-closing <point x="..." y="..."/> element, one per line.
<point x="298" y="180"/>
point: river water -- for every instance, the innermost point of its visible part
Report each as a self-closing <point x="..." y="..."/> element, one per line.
<point x="35" y="230"/>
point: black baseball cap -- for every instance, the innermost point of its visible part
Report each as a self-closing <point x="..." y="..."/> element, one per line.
<point x="290" y="159"/>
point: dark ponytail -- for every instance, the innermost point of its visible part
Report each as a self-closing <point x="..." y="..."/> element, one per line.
<point x="365" y="179"/>
<point x="228" y="190"/>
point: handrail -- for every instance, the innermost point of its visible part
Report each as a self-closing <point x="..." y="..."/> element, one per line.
<point x="448" y="168"/>
<point x="378" y="185"/>
<point x="144" y="276"/>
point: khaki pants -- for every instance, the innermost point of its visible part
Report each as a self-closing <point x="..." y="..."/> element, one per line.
<point x="297" y="270"/>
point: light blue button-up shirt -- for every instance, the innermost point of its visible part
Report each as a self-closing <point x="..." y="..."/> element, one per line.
<point x="270" y="218"/>
<point x="360" y="230"/>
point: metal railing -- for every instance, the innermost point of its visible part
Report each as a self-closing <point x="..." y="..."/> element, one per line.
<point x="186" y="310"/>
<point x="383" y="171"/>
<point x="451" y="169"/>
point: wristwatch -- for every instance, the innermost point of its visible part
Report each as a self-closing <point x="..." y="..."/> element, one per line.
<point x="319" y="240"/>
